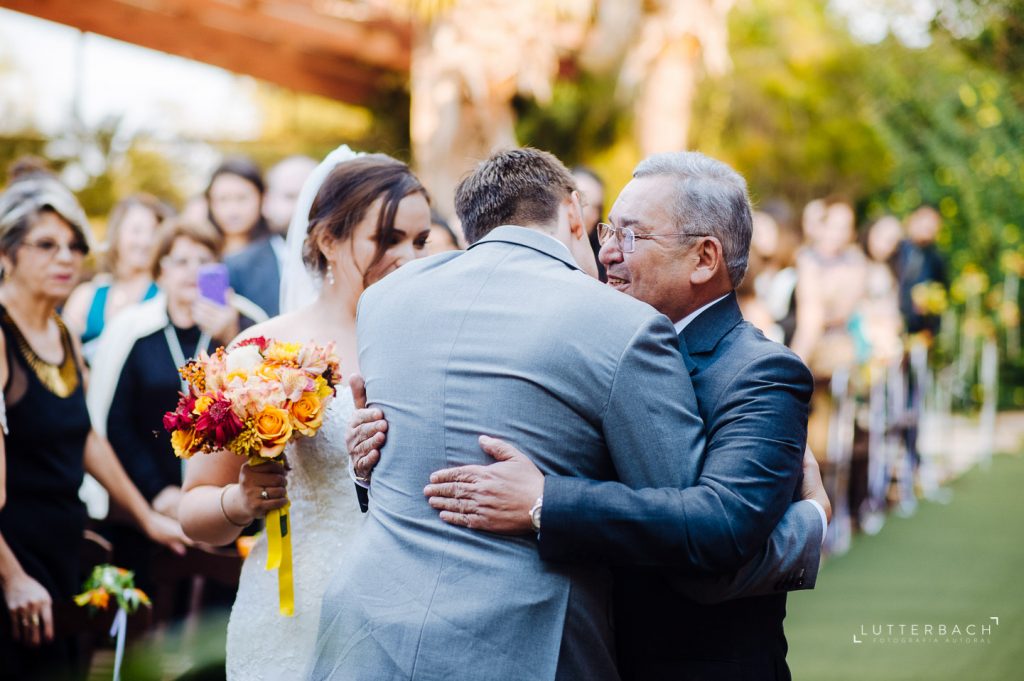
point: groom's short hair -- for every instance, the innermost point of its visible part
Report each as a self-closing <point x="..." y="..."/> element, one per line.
<point x="513" y="187"/>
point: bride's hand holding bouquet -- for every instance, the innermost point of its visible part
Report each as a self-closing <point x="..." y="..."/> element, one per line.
<point x="244" y="501"/>
<point x="252" y="400"/>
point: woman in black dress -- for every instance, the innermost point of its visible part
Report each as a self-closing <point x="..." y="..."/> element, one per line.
<point x="48" y="443"/>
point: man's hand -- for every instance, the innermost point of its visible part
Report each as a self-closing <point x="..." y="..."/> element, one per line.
<point x="496" y="498"/>
<point x="813" y="487"/>
<point x="365" y="433"/>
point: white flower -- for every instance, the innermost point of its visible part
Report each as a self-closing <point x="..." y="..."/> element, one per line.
<point x="245" y="358"/>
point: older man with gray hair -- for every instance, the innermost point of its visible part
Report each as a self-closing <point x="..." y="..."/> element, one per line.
<point x="678" y="239"/>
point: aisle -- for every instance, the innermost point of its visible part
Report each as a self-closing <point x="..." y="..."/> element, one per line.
<point x="954" y="565"/>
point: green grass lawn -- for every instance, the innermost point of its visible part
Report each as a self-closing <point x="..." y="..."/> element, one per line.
<point x="955" y="564"/>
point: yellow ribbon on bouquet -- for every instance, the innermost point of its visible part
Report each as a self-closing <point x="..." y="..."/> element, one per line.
<point x="279" y="557"/>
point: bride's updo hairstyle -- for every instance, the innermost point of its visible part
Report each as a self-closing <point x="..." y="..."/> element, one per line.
<point x="345" y="197"/>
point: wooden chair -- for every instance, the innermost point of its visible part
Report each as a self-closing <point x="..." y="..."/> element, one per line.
<point x="200" y="565"/>
<point x="70" y="620"/>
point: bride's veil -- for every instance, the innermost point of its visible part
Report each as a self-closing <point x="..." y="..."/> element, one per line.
<point x="300" y="287"/>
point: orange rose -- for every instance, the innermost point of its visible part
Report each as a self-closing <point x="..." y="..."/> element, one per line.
<point x="274" y="428"/>
<point x="306" y="414"/>
<point x="184" y="443"/>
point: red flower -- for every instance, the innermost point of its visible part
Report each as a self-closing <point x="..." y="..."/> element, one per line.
<point x="219" y="423"/>
<point x="181" y="417"/>
<point x="258" y="341"/>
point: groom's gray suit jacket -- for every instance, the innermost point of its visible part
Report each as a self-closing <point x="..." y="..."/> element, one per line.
<point x="509" y="339"/>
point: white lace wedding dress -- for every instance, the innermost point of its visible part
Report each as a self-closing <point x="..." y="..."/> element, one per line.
<point x="262" y="643"/>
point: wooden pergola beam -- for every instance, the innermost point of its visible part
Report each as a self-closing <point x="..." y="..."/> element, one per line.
<point x="377" y="41"/>
<point x="339" y="59"/>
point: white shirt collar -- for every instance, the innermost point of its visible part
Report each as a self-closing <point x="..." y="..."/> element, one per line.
<point x="685" y="321"/>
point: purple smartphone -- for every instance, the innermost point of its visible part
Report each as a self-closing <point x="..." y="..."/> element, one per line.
<point x="213" y="282"/>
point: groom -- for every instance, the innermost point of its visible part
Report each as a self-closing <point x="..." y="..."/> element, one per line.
<point x="753" y="399"/>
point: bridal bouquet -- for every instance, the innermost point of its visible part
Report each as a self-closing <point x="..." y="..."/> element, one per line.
<point x="252" y="400"/>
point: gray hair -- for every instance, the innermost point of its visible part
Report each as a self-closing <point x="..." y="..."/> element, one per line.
<point x="23" y="201"/>
<point x="711" y="200"/>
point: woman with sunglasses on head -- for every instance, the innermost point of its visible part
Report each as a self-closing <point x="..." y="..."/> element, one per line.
<point x="48" y="443"/>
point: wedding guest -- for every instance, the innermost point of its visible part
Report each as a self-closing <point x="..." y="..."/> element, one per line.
<point x="284" y="182"/>
<point x="591" y="188"/>
<point x="876" y="330"/>
<point x="48" y="445"/>
<point x="27" y="166"/>
<point x="764" y="235"/>
<point x="880" y="325"/>
<point x="777" y="240"/>
<point x="813" y="218"/>
<point x="831" y="276"/>
<point x="235" y="200"/>
<point x="442" y="236"/>
<point x="128" y="252"/>
<point x="136" y="381"/>
<point x="252" y="251"/>
<point x="918" y="261"/>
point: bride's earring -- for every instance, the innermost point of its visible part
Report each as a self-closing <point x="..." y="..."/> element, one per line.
<point x="330" y="275"/>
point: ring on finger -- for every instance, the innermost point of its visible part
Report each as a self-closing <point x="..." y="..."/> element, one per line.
<point x="263" y="494"/>
<point x="35" y="619"/>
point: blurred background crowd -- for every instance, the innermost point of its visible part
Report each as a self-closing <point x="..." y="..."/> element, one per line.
<point x="886" y="247"/>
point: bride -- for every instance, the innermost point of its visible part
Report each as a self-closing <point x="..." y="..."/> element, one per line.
<point x="370" y="215"/>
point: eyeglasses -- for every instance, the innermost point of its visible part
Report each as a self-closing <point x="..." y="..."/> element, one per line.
<point x="50" y="247"/>
<point x="627" y="238"/>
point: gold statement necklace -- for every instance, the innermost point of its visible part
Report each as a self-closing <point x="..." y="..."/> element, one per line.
<point x="59" y="380"/>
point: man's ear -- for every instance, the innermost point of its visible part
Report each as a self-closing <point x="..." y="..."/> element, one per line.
<point x="575" y="215"/>
<point x="710" y="261"/>
<point x="6" y="266"/>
